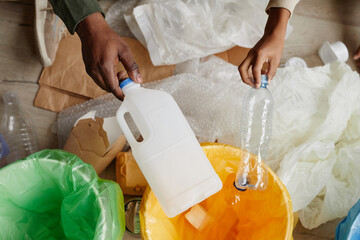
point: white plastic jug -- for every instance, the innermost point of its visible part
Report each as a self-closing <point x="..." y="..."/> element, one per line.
<point x="170" y="157"/>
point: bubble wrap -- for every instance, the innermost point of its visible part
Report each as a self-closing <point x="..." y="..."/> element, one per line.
<point x="115" y="17"/>
<point x="209" y="93"/>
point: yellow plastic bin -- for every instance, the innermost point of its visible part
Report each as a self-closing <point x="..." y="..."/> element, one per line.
<point x="231" y="214"/>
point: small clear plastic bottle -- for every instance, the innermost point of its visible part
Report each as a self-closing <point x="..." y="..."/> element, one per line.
<point x="255" y="134"/>
<point x="16" y="129"/>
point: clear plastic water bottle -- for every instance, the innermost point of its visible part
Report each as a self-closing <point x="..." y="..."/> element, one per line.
<point x="255" y="134"/>
<point x="16" y="129"/>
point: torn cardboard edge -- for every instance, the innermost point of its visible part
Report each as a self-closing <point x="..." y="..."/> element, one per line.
<point x="90" y="141"/>
<point x="55" y="100"/>
<point x="128" y="175"/>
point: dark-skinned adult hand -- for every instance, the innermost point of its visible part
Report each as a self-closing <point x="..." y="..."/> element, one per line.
<point x="102" y="49"/>
<point x="268" y="49"/>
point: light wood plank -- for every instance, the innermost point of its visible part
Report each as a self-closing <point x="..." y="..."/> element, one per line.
<point x="344" y="11"/>
<point x="21" y="13"/>
<point x="309" y="34"/>
<point x="18" y="59"/>
<point x="325" y="231"/>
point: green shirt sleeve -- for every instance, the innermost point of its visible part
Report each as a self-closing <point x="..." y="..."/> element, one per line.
<point x="74" y="11"/>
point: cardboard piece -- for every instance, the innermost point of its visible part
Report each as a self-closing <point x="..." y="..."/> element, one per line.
<point x="68" y="75"/>
<point x="89" y="142"/>
<point x="55" y="100"/>
<point x="129" y="175"/>
<point x="66" y="83"/>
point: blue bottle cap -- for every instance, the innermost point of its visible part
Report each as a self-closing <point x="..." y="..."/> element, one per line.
<point x="264" y="79"/>
<point x="4" y="150"/>
<point x="125" y="82"/>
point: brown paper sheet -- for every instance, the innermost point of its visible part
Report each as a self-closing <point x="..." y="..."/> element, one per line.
<point x="129" y="175"/>
<point x="66" y="83"/>
<point x="89" y="142"/>
<point x="55" y="100"/>
<point x="68" y="73"/>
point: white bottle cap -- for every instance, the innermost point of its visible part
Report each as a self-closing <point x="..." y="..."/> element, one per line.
<point x="333" y="52"/>
<point x="296" y="61"/>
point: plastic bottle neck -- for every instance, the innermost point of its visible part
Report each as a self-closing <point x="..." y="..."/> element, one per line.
<point x="263" y="85"/>
<point x="11" y="102"/>
<point x="264" y="81"/>
<point x="130" y="88"/>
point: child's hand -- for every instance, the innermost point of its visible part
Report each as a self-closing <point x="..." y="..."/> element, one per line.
<point x="357" y="56"/>
<point x="268" y="49"/>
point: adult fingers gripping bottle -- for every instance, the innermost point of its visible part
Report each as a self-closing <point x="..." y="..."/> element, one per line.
<point x="169" y="156"/>
<point x="255" y="133"/>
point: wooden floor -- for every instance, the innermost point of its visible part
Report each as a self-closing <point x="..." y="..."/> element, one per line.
<point x="314" y="22"/>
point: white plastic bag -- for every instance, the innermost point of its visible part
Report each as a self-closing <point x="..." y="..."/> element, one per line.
<point x="176" y="31"/>
<point x="315" y="139"/>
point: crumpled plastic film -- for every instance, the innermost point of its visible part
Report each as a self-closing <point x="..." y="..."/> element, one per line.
<point x="232" y="214"/>
<point x="52" y="194"/>
<point x="176" y="31"/>
<point x="315" y="122"/>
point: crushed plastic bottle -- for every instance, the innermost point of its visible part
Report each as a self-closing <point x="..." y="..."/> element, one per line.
<point x="255" y="134"/>
<point x="17" y="130"/>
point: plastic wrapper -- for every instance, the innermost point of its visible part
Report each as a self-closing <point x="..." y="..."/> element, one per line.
<point x="52" y="194"/>
<point x="176" y="31"/>
<point x="349" y="227"/>
<point x="231" y="214"/>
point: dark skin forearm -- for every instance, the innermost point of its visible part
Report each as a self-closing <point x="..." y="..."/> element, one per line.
<point x="102" y="49"/>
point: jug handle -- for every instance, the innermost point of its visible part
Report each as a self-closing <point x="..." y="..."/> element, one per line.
<point x="120" y="116"/>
